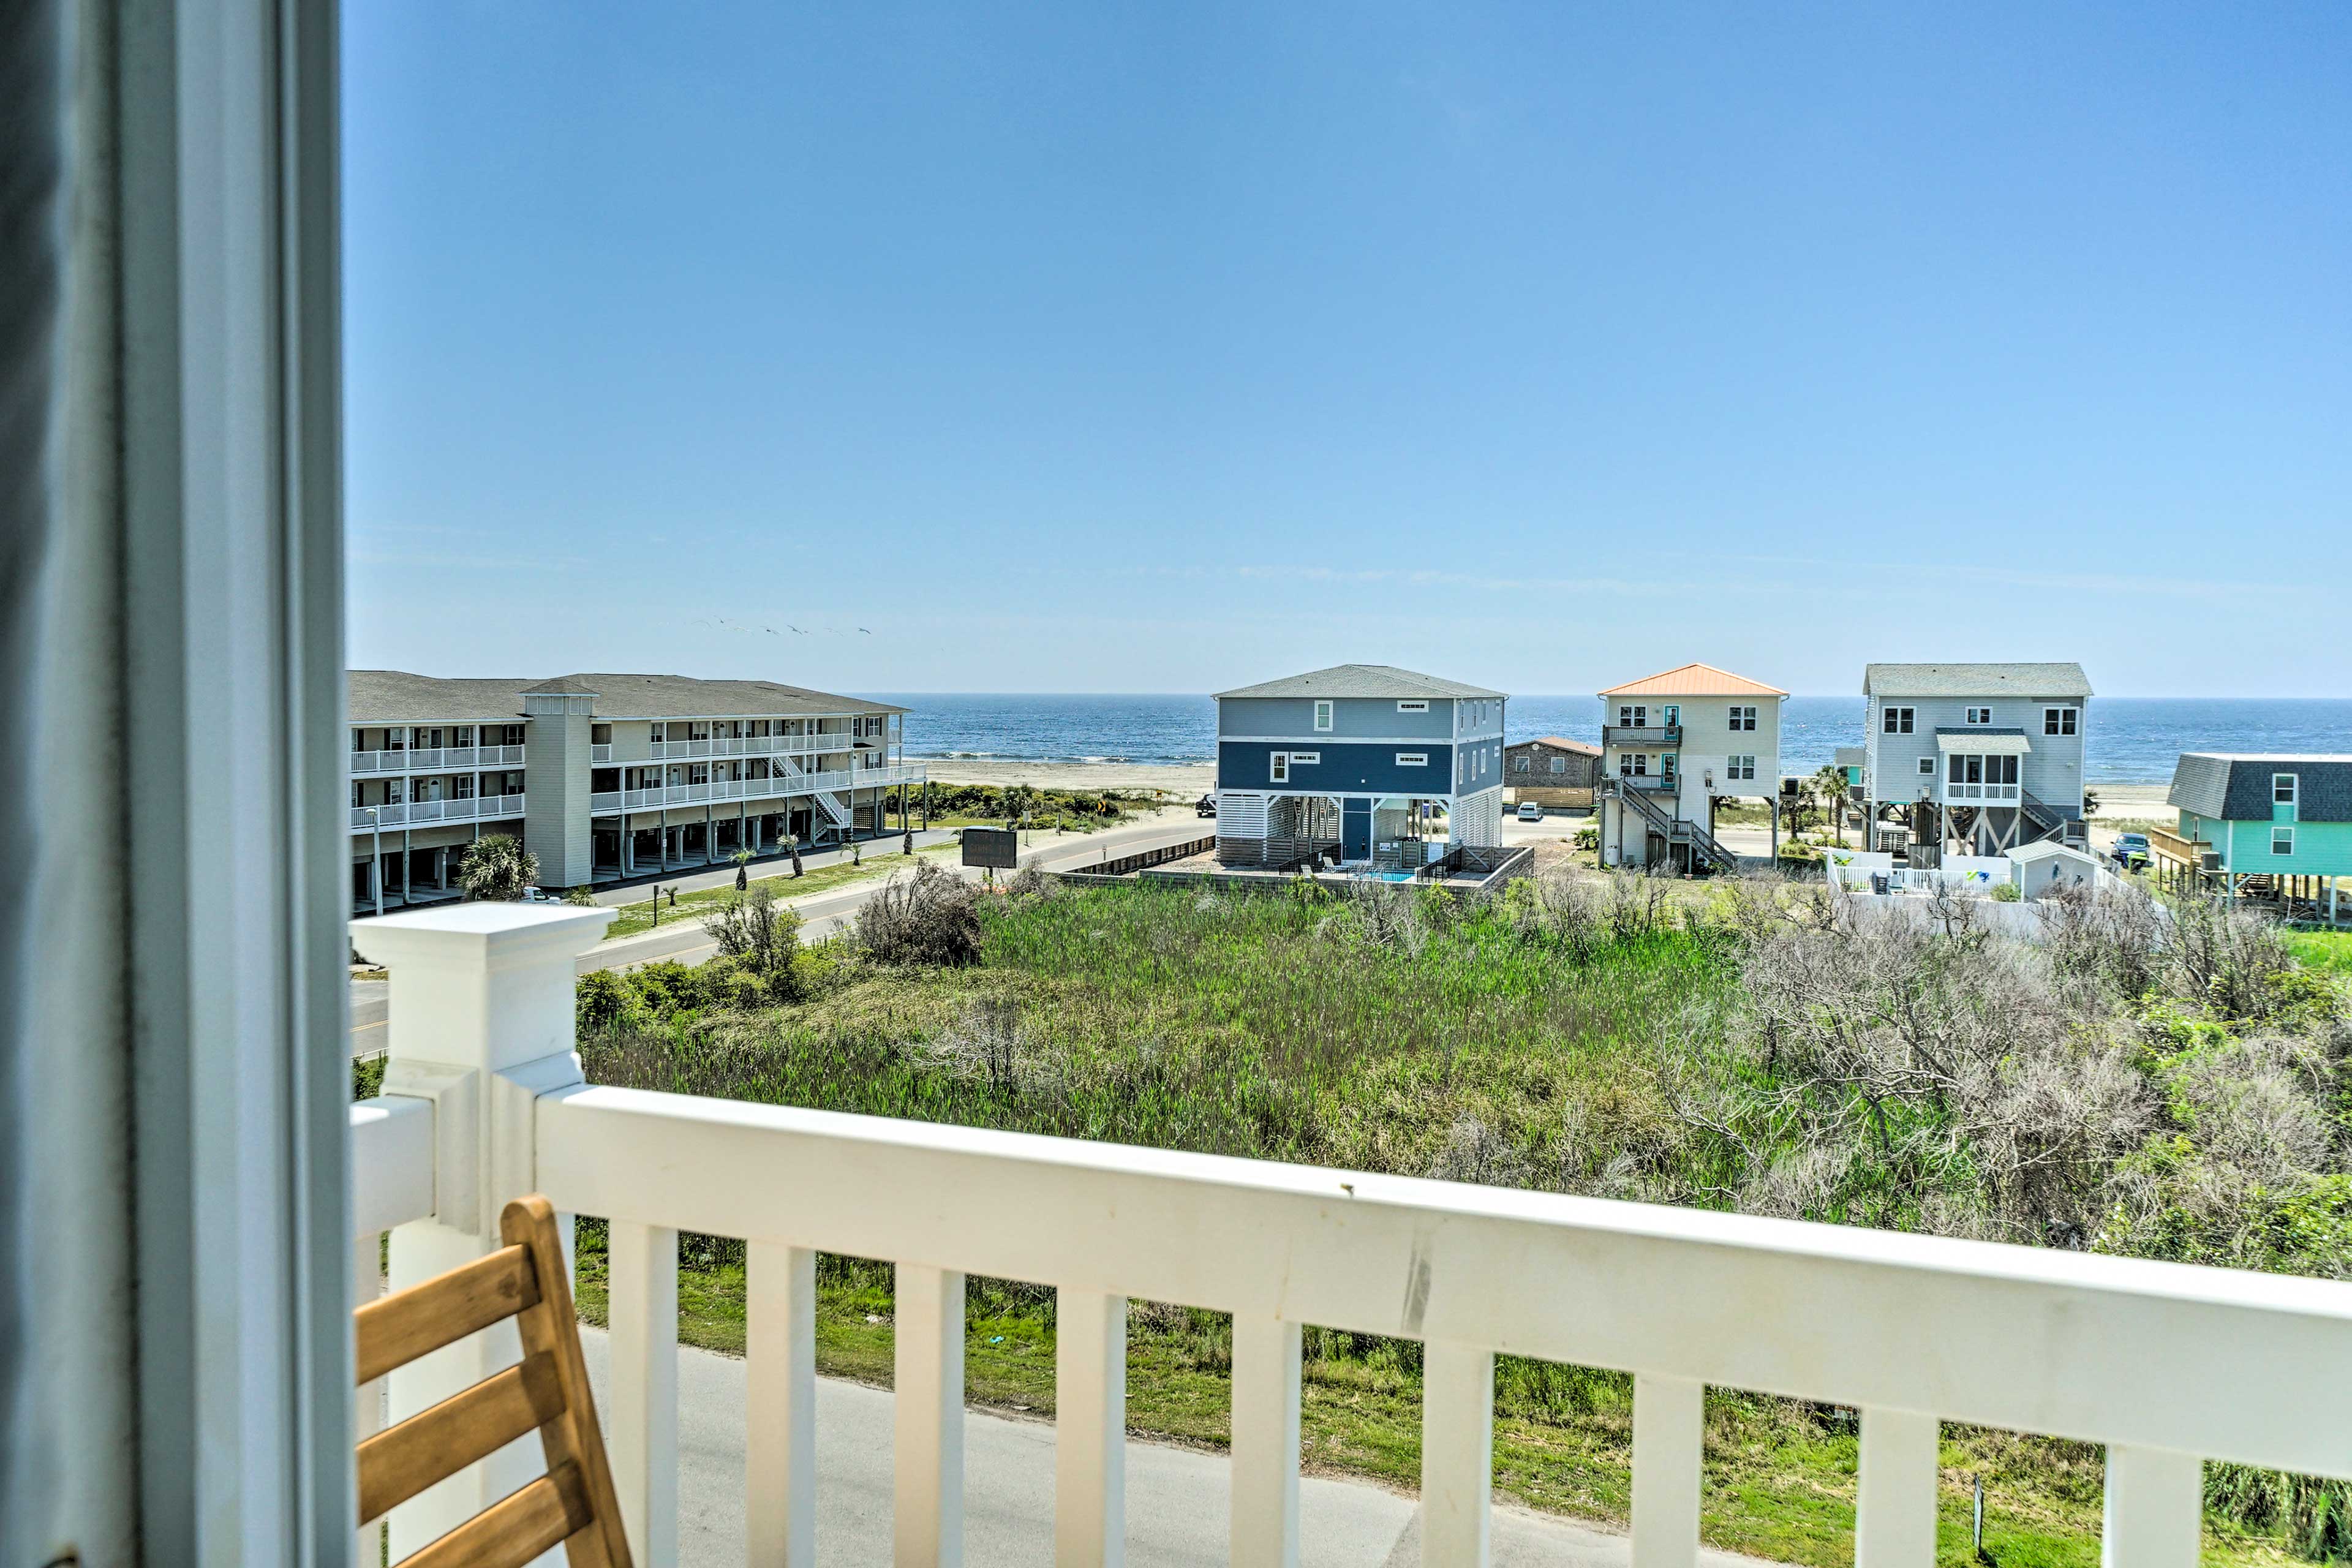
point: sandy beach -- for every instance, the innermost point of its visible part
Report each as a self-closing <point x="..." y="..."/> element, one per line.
<point x="1183" y="781"/>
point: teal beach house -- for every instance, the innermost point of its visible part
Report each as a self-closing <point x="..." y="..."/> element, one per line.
<point x="2273" y="826"/>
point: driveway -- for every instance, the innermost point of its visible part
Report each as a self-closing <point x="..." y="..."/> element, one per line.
<point x="1178" y="1500"/>
<point x="821" y="914"/>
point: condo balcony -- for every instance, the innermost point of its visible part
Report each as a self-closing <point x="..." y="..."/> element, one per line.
<point x="774" y="785"/>
<point x="409" y="814"/>
<point x="2166" y="1365"/>
<point x="1641" y="734"/>
<point x="432" y="759"/>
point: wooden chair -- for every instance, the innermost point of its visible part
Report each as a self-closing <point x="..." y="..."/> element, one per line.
<point x="573" y="1504"/>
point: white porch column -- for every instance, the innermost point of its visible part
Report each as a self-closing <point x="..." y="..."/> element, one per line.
<point x="481" y="1024"/>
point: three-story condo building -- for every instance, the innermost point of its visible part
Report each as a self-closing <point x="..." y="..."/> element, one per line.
<point x="1976" y="758"/>
<point x="1357" y="766"/>
<point x="1673" y="743"/>
<point x="605" y="776"/>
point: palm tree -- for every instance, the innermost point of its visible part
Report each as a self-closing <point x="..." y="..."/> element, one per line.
<point x="497" y="868"/>
<point x="1831" y="784"/>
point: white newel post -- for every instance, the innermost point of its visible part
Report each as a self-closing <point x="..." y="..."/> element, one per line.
<point x="481" y="1024"/>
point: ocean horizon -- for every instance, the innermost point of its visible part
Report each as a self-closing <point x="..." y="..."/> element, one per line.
<point x="2132" y="740"/>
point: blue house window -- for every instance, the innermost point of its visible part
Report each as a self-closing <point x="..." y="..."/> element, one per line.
<point x="1413" y="759"/>
<point x="1322" y="715"/>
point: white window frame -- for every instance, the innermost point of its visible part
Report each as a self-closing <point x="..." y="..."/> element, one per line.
<point x="1278" y="766"/>
<point x="1413" y="759"/>
<point x="1743" y="716"/>
<point x="1323" y="712"/>
<point x="1898" y="720"/>
<point x="2282" y="839"/>
<point x="1304" y="758"/>
<point x="2292" y="798"/>
<point x="1632" y="715"/>
<point x="1522" y="763"/>
<point x="1412" y="705"/>
<point x="1977" y="716"/>
<point x="1928" y="767"/>
<point x="1741" y="767"/>
<point x="1559" y="765"/>
<point x="2061" y="721"/>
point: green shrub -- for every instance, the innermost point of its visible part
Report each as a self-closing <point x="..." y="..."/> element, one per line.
<point x="602" y="999"/>
<point x="2006" y="893"/>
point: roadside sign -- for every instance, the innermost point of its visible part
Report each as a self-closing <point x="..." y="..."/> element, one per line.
<point x="993" y="848"/>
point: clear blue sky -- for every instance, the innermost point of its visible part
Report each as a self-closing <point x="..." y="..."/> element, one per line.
<point x="1163" y="348"/>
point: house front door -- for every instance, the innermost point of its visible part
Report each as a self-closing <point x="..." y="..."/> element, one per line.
<point x="1355" y="830"/>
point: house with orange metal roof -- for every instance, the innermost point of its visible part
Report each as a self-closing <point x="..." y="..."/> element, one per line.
<point x="1672" y="745"/>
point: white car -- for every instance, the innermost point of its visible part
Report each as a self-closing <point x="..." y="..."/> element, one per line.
<point x="1530" y="812"/>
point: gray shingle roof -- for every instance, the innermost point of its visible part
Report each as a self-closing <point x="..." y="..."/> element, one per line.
<point x="396" y="697"/>
<point x="683" y="697"/>
<point x="2059" y="679"/>
<point x="1361" y="680"/>
<point x="1557" y="742"/>
<point x="2232" y="787"/>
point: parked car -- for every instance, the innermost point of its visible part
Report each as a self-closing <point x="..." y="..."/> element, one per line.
<point x="2130" y="850"/>
<point x="1530" y="812"/>
<point x="1207" y="807"/>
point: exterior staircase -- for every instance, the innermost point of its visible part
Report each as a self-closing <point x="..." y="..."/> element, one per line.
<point x="2045" y="821"/>
<point x="1704" y="847"/>
<point x="834" y="807"/>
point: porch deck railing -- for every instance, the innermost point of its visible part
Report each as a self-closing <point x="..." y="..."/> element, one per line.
<point x="2165" y="1365"/>
<point x="794" y="783"/>
<point x="408" y="813"/>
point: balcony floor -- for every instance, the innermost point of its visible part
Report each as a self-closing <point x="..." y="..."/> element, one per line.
<point x="1177" y="1498"/>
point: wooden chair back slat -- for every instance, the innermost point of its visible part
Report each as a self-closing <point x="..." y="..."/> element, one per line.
<point x="511" y="1532"/>
<point x="395" y="1329"/>
<point x="574" y="1503"/>
<point x="434" y="1444"/>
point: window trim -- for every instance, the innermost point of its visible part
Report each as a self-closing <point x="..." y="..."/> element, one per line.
<point x="2292" y="798"/>
<point x="1413" y="759"/>
<point x="2061" y="721"/>
<point x="1926" y="767"/>
<point x="1325" y="713"/>
<point x="2282" y="839"/>
<point x="1413" y="704"/>
<point x="1977" y="717"/>
<point x="1306" y="759"/>
<point x="1898" y="721"/>
<point x="1277" y="767"/>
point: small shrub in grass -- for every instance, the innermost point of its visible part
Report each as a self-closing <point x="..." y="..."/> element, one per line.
<point x="604" y="999"/>
<point x="760" y="936"/>
<point x="2005" y="894"/>
<point x="930" y="919"/>
<point x="583" y="897"/>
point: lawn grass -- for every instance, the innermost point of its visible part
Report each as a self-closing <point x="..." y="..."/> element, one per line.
<point x="2323" y="950"/>
<point x="881" y="858"/>
<point x="1265" y="1026"/>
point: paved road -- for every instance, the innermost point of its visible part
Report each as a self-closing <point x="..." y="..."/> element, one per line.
<point x="1178" y="1500"/>
<point x="821" y="914"/>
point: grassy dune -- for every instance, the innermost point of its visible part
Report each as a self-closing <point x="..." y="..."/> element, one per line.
<point x="1282" y="1029"/>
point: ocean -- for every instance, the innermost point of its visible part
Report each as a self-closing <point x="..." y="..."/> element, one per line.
<point x="2133" y="740"/>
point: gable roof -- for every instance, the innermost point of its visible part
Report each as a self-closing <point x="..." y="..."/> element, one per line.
<point x="1361" y="680"/>
<point x="1694" y="681"/>
<point x="2052" y="679"/>
<point x="1557" y="742"/>
<point x="2230" y="786"/>
<point x="396" y="697"/>
<point x="685" y="697"/>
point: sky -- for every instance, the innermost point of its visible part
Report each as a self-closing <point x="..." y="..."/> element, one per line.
<point x="1134" y="348"/>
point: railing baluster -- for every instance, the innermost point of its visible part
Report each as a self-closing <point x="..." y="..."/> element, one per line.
<point x="1667" y="1450"/>
<point x="367" y="1409"/>
<point x="1266" y="1443"/>
<point x="780" y="1458"/>
<point x="1089" y="1430"/>
<point x="1895" y="1503"/>
<point x="644" y="1438"/>
<point x="1457" y="1453"/>
<point x="927" y="1415"/>
<point x="2155" y="1506"/>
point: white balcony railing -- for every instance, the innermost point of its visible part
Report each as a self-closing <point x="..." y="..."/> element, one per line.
<point x="757" y="745"/>
<point x="433" y="758"/>
<point x="408" y="813"/>
<point x="600" y="752"/>
<point x="2165" y="1364"/>
<point x="775" y="785"/>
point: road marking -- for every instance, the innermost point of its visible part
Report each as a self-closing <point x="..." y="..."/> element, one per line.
<point x="362" y="1028"/>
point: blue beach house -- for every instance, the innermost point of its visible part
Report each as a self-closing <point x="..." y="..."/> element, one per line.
<point x="1359" y="765"/>
<point x="2275" y="827"/>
